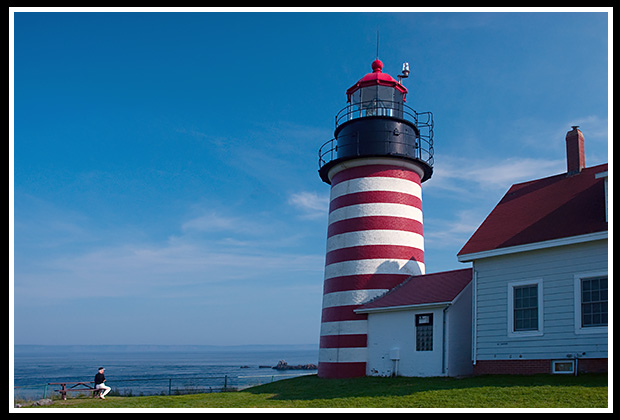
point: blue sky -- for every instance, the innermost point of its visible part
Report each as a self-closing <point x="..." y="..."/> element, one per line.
<point x="164" y="171"/>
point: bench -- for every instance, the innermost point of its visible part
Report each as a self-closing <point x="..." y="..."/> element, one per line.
<point x="75" y="387"/>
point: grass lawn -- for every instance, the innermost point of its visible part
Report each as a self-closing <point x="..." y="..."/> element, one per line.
<point x="587" y="391"/>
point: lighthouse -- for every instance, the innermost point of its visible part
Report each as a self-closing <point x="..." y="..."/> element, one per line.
<point x="381" y="153"/>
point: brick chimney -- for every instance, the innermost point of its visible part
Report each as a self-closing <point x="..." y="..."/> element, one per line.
<point x="575" y="156"/>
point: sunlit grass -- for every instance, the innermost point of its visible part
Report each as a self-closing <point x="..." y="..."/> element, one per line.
<point x="586" y="391"/>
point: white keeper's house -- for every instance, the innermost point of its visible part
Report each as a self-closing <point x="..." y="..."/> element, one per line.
<point x="534" y="301"/>
<point x="540" y="273"/>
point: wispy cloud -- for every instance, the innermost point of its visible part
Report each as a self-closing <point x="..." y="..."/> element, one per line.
<point x="546" y="137"/>
<point x="310" y="204"/>
<point x="469" y="176"/>
<point x="150" y="269"/>
<point x="504" y="173"/>
<point x="213" y="221"/>
<point x="440" y="233"/>
<point x="593" y="127"/>
<point x="481" y="184"/>
<point x="214" y="247"/>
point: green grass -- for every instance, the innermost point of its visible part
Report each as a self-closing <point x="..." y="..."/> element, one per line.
<point x="586" y="391"/>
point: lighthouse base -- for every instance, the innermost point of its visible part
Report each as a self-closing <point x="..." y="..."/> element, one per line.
<point x="341" y="370"/>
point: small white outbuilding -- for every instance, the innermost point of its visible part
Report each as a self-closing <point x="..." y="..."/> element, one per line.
<point x="421" y="327"/>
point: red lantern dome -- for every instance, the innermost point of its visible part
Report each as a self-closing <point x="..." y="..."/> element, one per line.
<point x="376" y="78"/>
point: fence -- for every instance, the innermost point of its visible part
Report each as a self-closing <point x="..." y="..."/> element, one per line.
<point x="177" y="385"/>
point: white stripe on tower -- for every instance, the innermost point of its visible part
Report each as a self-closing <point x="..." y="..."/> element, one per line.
<point x="374" y="242"/>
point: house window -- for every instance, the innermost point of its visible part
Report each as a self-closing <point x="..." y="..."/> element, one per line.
<point x="424" y="332"/>
<point x="594" y="302"/>
<point x="563" y="366"/>
<point x="591" y="302"/>
<point x="525" y="308"/>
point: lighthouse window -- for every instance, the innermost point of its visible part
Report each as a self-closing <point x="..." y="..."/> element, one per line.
<point x="424" y="332"/>
<point x="379" y="101"/>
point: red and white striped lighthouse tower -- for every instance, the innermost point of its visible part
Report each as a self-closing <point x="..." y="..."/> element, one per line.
<point x="381" y="153"/>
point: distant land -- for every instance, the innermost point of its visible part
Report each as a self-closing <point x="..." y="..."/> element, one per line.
<point x="36" y="348"/>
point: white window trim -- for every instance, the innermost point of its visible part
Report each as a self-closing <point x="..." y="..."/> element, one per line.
<point x="562" y="372"/>
<point x="521" y="334"/>
<point x="577" y="293"/>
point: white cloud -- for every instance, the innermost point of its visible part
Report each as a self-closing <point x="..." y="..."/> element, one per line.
<point x="593" y="127"/>
<point x="439" y="233"/>
<point x="311" y="204"/>
<point x="146" y="270"/>
<point x="215" y="246"/>
<point x="469" y="176"/>
<point x="479" y="183"/>
<point x="213" y="221"/>
<point x="503" y="174"/>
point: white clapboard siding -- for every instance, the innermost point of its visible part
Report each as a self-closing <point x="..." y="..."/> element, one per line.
<point x="556" y="267"/>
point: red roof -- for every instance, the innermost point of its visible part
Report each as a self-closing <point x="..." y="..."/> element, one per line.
<point x="424" y="289"/>
<point x="376" y="78"/>
<point x="556" y="207"/>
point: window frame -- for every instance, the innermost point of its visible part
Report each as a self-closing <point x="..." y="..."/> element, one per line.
<point x="554" y="364"/>
<point x="511" y="310"/>
<point x="578" y="278"/>
<point x="430" y="324"/>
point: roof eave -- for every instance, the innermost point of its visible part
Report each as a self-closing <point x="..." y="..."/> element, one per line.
<point x="402" y="307"/>
<point x="570" y="240"/>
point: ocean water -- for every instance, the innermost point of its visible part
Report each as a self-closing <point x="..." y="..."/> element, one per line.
<point x="151" y="370"/>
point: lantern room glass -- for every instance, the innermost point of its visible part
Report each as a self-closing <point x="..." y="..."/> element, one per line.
<point x="376" y="100"/>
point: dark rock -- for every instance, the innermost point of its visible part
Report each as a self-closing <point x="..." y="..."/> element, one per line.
<point x="282" y="365"/>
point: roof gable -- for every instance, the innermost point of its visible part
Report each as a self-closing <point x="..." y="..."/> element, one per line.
<point x="550" y="208"/>
<point x="423" y="289"/>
